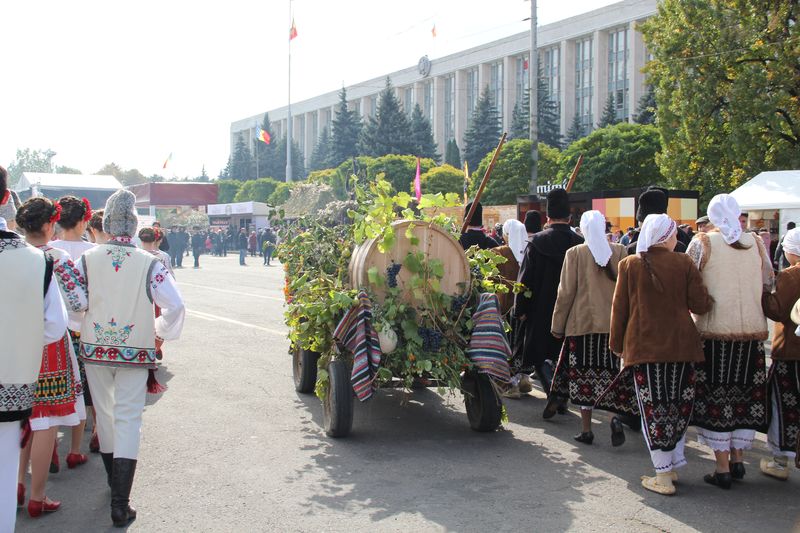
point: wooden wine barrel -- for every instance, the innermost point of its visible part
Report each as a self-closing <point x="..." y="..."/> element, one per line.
<point x="434" y="242"/>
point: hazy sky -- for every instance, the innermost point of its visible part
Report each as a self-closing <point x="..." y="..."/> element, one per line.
<point x="100" y="81"/>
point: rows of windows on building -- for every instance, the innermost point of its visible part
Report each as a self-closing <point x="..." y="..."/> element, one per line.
<point x="550" y="80"/>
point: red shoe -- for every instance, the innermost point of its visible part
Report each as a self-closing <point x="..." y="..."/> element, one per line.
<point x="35" y="509"/>
<point x="76" y="459"/>
<point x="20" y="494"/>
<point x="94" y="444"/>
<point x="55" y="466"/>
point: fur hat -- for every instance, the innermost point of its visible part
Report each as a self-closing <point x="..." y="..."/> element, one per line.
<point x="558" y="204"/>
<point x="119" y="217"/>
<point x="653" y="201"/>
<point x="477" y="216"/>
<point x="533" y="221"/>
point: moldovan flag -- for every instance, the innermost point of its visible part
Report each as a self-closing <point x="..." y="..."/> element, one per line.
<point x="292" y="31"/>
<point x="433" y="31"/>
<point x="263" y="135"/>
<point x="466" y="181"/>
<point x="417" y="184"/>
<point x="167" y="160"/>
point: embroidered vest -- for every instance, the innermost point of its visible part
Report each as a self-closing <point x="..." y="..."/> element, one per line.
<point x="733" y="279"/>
<point x="119" y="326"/>
<point x="22" y="269"/>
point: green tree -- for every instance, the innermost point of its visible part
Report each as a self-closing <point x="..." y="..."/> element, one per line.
<point x="646" y="108"/>
<point x="203" y="177"/>
<point x="225" y="173"/>
<point x="132" y="177"/>
<point x="483" y="131"/>
<point x="256" y="190"/>
<point x="726" y="84"/>
<point x="575" y="130"/>
<point x="112" y="169"/>
<point x="241" y="167"/>
<point x="336" y="178"/>
<point x="298" y="168"/>
<point x="281" y="194"/>
<point x="28" y="160"/>
<point x="549" y="124"/>
<point x="443" y="179"/>
<point x="609" y="116"/>
<point x="320" y="157"/>
<point x="399" y="170"/>
<point x="389" y="131"/>
<point x="268" y="160"/>
<point x="452" y="155"/>
<point x="512" y="171"/>
<point x="520" y="125"/>
<point x="226" y="190"/>
<point x="60" y="169"/>
<point x="422" y="136"/>
<point x="614" y="157"/>
<point x="345" y="130"/>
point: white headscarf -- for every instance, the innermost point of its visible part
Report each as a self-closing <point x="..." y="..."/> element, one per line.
<point x="655" y="230"/>
<point x="723" y="212"/>
<point x="593" y="228"/>
<point x="517" y="237"/>
<point x="791" y="241"/>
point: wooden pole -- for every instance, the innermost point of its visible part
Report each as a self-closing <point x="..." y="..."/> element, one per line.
<point x="483" y="184"/>
<point x="574" y="174"/>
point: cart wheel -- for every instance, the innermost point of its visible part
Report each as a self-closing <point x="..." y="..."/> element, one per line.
<point x="304" y="370"/>
<point x="338" y="404"/>
<point x="484" y="408"/>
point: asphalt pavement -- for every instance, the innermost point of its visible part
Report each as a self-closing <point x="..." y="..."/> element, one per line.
<point x="231" y="447"/>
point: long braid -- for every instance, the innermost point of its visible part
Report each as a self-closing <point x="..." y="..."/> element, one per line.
<point x="649" y="268"/>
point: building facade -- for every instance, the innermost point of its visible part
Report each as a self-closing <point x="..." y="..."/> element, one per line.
<point x="582" y="61"/>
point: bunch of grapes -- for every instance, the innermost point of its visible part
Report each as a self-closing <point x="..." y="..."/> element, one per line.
<point x="391" y="274"/>
<point x="431" y="339"/>
<point x="458" y="303"/>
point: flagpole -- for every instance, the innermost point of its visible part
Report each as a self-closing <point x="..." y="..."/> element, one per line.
<point x="255" y="151"/>
<point x="289" y="110"/>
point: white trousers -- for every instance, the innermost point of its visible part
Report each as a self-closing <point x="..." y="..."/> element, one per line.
<point x="774" y="433"/>
<point x="118" y="395"/>
<point x="738" y="439"/>
<point x="9" y="464"/>
<point x="663" y="461"/>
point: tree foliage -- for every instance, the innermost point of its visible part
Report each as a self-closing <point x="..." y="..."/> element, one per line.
<point x="241" y="166"/>
<point x="321" y="155"/>
<point x="268" y="163"/>
<point x="609" y="116"/>
<point x="335" y="178"/>
<point x="281" y="194"/>
<point x="726" y="84"/>
<point x="61" y="169"/>
<point x="389" y="131"/>
<point x="512" y="171"/>
<point x="422" y="141"/>
<point x="345" y="129"/>
<point x="226" y="190"/>
<point x="257" y="190"/>
<point x="28" y="160"/>
<point x="452" y="155"/>
<point x="575" y="130"/>
<point x="483" y="131"/>
<point x="614" y="157"/>
<point x="549" y="124"/>
<point x="442" y="179"/>
<point x="646" y="108"/>
<point x="112" y="169"/>
<point x="298" y="167"/>
<point x="398" y="170"/>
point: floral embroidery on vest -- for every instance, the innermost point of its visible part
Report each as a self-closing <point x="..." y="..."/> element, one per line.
<point x="70" y="279"/>
<point x="118" y="255"/>
<point x="112" y="334"/>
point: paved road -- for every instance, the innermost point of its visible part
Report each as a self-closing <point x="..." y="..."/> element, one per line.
<point x="231" y="447"/>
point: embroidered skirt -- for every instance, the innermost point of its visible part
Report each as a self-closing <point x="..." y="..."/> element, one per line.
<point x="666" y="394"/>
<point x="784" y="387"/>
<point x="55" y="396"/>
<point x="586" y="368"/>
<point x="731" y="387"/>
<point x="75" y="337"/>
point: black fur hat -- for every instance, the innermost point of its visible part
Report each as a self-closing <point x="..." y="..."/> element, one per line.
<point x="558" y="204"/>
<point x="653" y="201"/>
<point x="477" y="216"/>
<point x="533" y="221"/>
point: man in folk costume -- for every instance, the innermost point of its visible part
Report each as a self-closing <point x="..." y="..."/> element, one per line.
<point x="540" y="272"/>
<point x="783" y="306"/>
<point x="119" y="338"/>
<point x="654" y="201"/>
<point x="27" y="323"/>
<point x="474" y="236"/>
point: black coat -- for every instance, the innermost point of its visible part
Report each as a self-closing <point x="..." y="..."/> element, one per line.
<point x="540" y="272"/>
<point x="477" y="237"/>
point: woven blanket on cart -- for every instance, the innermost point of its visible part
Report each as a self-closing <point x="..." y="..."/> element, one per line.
<point x="356" y="333"/>
<point x="488" y="347"/>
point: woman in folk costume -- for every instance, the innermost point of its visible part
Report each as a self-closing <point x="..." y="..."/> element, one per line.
<point x="731" y="401"/>
<point x="784" y="376"/>
<point x="75" y="216"/>
<point x="118" y="340"/>
<point x="27" y="323"/>
<point x="652" y="330"/>
<point x="582" y="314"/>
<point x="516" y="239"/>
<point x="57" y="400"/>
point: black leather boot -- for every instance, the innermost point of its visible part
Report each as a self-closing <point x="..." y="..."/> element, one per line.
<point x="108" y="459"/>
<point x="122" y="474"/>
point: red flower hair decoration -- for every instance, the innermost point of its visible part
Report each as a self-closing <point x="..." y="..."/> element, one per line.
<point x="88" y="215"/>
<point x="56" y="216"/>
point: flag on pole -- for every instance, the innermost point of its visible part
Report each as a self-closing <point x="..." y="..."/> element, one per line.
<point x="292" y="31"/>
<point x="263" y="135"/>
<point x="417" y="184"/>
<point x="433" y="31"/>
<point x="167" y="160"/>
<point x="466" y="181"/>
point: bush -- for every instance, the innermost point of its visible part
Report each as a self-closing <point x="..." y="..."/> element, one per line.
<point x="336" y="178"/>
<point x="511" y="175"/>
<point x="443" y="179"/>
<point x="281" y="194"/>
<point x="226" y="190"/>
<point x="256" y="190"/>
<point x="398" y="170"/>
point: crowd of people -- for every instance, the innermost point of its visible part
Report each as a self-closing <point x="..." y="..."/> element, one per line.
<point x="87" y="346"/>
<point x="663" y="326"/>
<point x="217" y="242"/>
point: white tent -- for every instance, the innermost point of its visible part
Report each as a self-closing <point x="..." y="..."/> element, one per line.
<point x="772" y="196"/>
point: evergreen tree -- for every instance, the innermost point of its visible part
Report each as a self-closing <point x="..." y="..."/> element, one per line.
<point x="225" y="173"/>
<point x="422" y="135"/>
<point x="520" y="125"/>
<point x="389" y="131"/>
<point x="298" y="167"/>
<point x="267" y="165"/>
<point x="345" y="130"/>
<point x="549" y="123"/>
<point x="242" y="164"/>
<point x="609" y="117"/>
<point x="646" y="108"/>
<point x="452" y="155"/>
<point x="575" y="130"/>
<point x="321" y="155"/>
<point x="203" y="175"/>
<point x="483" y="132"/>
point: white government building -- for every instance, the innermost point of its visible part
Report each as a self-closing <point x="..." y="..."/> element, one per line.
<point x="582" y="60"/>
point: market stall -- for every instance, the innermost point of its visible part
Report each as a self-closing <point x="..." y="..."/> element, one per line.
<point x="771" y="200"/>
